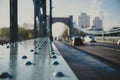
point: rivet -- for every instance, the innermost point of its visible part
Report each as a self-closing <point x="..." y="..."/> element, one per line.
<point x="36" y="53"/>
<point x="24" y="57"/>
<point x="59" y="74"/>
<point x="53" y="57"/>
<point x="56" y="63"/>
<point x="28" y="63"/>
<point x="5" y="75"/>
<point x="32" y="50"/>
<point x="53" y="52"/>
<point x="8" y="46"/>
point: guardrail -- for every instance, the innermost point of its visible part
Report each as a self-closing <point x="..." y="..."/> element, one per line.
<point x="108" y="38"/>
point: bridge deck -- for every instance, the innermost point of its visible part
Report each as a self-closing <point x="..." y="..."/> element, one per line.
<point x="30" y="60"/>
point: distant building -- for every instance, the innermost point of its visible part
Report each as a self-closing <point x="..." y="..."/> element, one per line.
<point x="84" y="20"/>
<point x="97" y="24"/>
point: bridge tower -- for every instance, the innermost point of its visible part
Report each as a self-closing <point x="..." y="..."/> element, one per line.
<point x="40" y="14"/>
<point x="66" y="20"/>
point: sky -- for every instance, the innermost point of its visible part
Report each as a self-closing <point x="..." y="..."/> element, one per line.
<point x="106" y="9"/>
<point x="25" y="12"/>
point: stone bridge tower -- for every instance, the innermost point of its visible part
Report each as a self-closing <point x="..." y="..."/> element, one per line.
<point x="66" y="20"/>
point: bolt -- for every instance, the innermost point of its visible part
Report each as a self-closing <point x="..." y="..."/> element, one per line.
<point x="53" y="52"/>
<point x="28" y="63"/>
<point x="5" y="75"/>
<point x="59" y="74"/>
<point x="56" y="63"/>
<point x="36" y="53"/>
<point x="24" y="57"/>
<point x="32" y="50"/>
<point x="8" y="46"/>
<point x="54" y="57"/>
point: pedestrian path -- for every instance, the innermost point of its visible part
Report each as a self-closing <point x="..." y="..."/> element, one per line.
<point x="36" y="59"/>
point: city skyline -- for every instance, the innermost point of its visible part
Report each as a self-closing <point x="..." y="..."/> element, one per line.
<point x="110" y="11"/>
<point x="83" y="20"/>
<point x="97" y="24"/>
<point x="94" y="23"/>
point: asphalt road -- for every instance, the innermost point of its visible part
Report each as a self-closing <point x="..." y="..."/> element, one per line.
<point x="85" y="66"/>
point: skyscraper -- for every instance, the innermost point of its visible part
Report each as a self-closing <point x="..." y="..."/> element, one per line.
<point x="97" y="24"/>
<point x="84" y="20"/>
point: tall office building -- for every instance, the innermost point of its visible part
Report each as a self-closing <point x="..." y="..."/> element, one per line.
<point x="84" y="20"/>
<point x="97" y="24"/>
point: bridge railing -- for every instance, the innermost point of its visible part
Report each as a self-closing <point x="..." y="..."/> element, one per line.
<point x="111" y="39"/>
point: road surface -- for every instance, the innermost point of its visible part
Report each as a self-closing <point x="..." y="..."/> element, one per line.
<point x="85" y="66"/>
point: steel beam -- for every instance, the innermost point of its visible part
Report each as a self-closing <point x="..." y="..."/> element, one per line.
<point x="40" y="12"/>
<point x="13" y="21"/>
<point x="51" y="38"/>
<point x="44" y="17"/>
<point x="35" y="23"/>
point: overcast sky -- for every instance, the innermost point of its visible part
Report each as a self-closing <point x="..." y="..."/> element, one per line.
<point x="109" y="8"/>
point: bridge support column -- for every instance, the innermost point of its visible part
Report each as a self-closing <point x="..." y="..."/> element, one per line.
<point x="44" y="18"/>
<point x="51" y="38"/>
<point x="35" y="24"/>
<point x="72" y="27"/>
<point x="13" y="21"/>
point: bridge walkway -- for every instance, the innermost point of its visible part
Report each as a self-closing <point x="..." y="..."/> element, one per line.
<point x="33" y="60"/>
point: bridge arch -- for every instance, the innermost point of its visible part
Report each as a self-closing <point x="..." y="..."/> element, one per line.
<point x="67" y="21"/>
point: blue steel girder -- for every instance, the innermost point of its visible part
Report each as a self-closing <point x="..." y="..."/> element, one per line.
<point x="40" y="12"/>
<point x="13" y="21"/>
<point x="40" y="6"/>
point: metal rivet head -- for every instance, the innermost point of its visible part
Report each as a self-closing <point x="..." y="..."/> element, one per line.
<point x="52" y="52"/>
<point x="36" y="53"/>
<point x="59" y="74"/>
<point x="31" y="50"/>
<point x="28" y="63"/>
<point x="5" y="75"/>
<point x="56" y="63"/>
<point x="24" y="57"/>
<point x="8" y="46"/>
<point x="54" y="57"/>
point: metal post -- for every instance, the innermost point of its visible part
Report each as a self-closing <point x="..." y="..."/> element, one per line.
<point x="72" y="27"/>
<point x="51" y="38"/>
<point x="41" y="26"/>
<point x="13" y="21"/>
<point x="35" y="27"/>
<point x="44" y="18"/>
